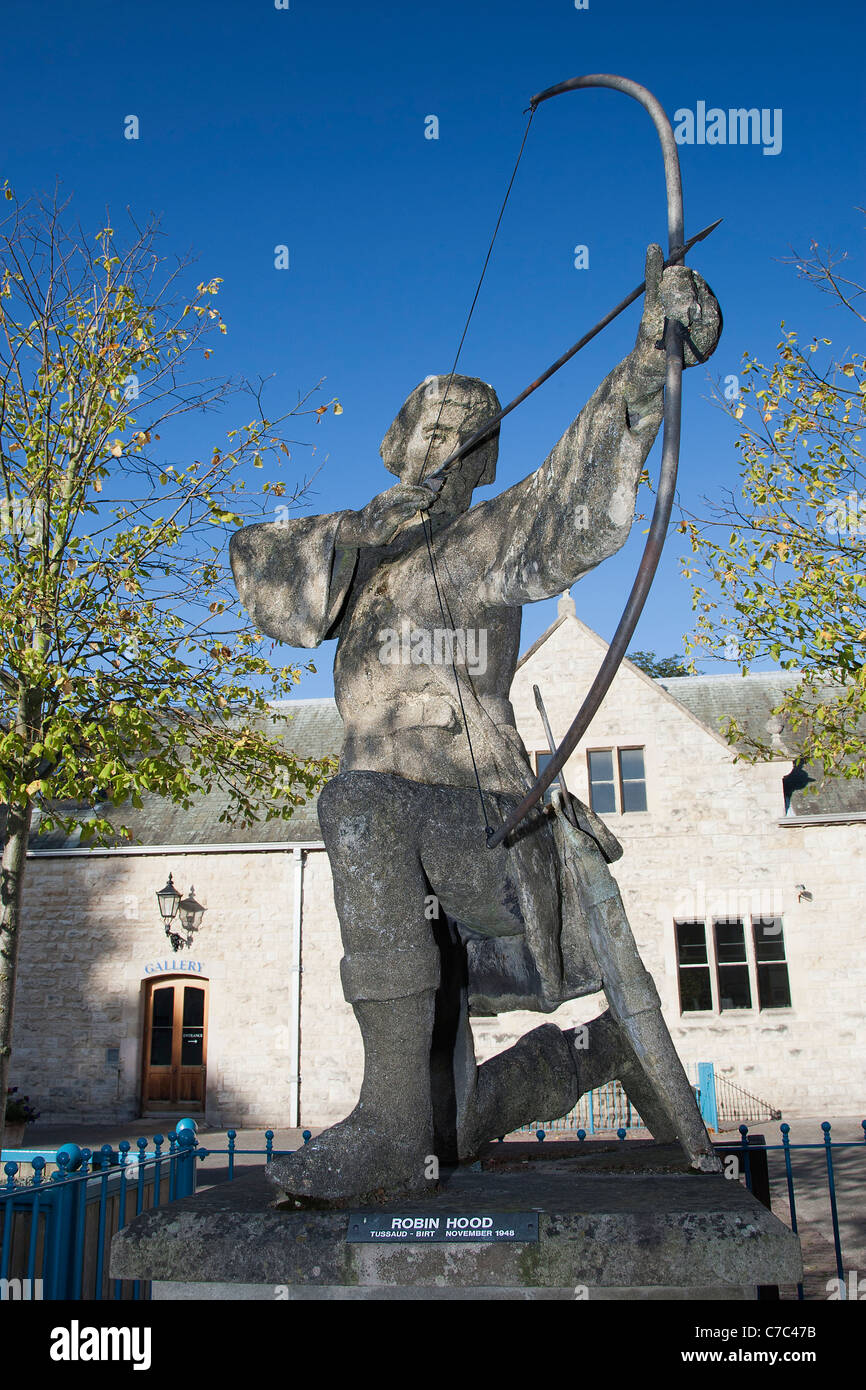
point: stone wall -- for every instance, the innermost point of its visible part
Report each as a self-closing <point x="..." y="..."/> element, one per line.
<point x="91" y="929"/>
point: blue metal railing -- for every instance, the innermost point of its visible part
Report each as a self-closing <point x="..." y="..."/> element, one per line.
<point x="56" y="1232"/>
<point x="722" y="1104"/>
<point x="607" y="1107"/>
<point x="66" y="1223"/>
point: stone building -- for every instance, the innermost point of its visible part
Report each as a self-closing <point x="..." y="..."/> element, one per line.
<point x="743" y="893"/>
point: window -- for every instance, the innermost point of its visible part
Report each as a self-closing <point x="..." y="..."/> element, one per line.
<point x="774" y="990"/>
<point x="541" y="761"/>
<point x="161" y="1029"/>
<point x="731" y="966"/>
<point x="601" y="791"/>
<point x="192" y="1036"/>
<point x="629" y="777"/>
<point x="692" y="967"/>
<point x="632" y="779"/>
<point x="721" y="956"/>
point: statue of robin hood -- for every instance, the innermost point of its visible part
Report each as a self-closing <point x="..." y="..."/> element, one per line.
<point x="434" y="923"/>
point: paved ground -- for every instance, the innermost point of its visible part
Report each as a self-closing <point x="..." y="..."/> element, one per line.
<point x="809" y="1168"/>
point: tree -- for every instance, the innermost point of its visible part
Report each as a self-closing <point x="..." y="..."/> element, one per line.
<point x="658" y="666"/>
<point x="126" y="663"/>
<point x="780" y="565"/>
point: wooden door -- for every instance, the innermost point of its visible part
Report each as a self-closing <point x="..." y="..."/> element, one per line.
<point x="175" y="1045"/>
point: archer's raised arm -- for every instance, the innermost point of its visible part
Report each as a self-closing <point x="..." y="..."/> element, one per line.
<point x="577" y="509"/>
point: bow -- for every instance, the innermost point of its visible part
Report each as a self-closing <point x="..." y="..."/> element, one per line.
<point x="670" y="447"/>
<point x="673" y="344"/>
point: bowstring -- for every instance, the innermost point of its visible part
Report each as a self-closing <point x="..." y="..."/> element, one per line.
<point x="425" y="514"/>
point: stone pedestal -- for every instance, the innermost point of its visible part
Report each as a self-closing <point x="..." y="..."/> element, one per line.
<point x="600" y="1235"/>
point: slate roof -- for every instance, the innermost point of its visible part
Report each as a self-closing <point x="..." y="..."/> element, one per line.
<point x="715" y="699"/>
<point x="314" y="730"/>
<point x="750" y="700"/>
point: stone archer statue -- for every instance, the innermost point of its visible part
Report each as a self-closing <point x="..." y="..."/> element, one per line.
<point x="509" y="928"/>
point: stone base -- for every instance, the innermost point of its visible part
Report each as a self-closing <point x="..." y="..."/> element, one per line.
<point x="601" y="1235"/>
<point x="168" y="1290"/>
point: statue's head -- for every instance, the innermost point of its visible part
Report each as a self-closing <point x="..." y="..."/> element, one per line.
<point x="468" y="404"/>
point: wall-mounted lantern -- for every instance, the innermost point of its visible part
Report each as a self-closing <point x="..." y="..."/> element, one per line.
<point x="189" y="912"/>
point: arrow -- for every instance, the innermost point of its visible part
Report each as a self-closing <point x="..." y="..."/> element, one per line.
<point x="566" y="798"/>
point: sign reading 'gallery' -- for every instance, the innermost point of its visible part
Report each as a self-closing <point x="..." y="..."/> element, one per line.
<point x="171" y="967"/>
<point x="481" y="1229"/>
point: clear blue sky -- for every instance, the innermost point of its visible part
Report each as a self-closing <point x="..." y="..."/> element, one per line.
<point x="305" y="126"/>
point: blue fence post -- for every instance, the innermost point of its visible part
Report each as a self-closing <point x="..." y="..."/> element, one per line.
<point x="55" y="1255"/>
<point x="232" y="1135"/>
<point x="123" y="1152"/>
<point x="744" y="1144"/>
<point x="38" y="1166"/>
<point x="106" y="1154"/>
<point x="141" y="1144"/>
<point x="158" y="1141"/>
<point x="186" y="1143"/>
<point x="707" y="1095"/>
<point x="789" y="1178"/>
<point x="139" y="1196"/>
<point x="172" y="1165"/>
<point x="269" y="1145"/>
<point x="10" y="1169"/>
<point x="831" y="1182"/>
<point x="78" y="1195"/>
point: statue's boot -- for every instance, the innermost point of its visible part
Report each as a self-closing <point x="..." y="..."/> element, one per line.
<point x="385" y="1144"/>
<point x="536" y="1079"/>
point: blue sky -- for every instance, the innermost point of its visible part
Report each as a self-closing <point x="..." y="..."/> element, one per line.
<point x="306" y="127"/>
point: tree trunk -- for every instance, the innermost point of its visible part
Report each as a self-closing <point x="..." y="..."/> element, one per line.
<point x="11" y="885"/>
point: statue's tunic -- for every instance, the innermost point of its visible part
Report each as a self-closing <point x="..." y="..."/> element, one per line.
<point x="398" y="703"/>
<point x="402" y="715"/>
